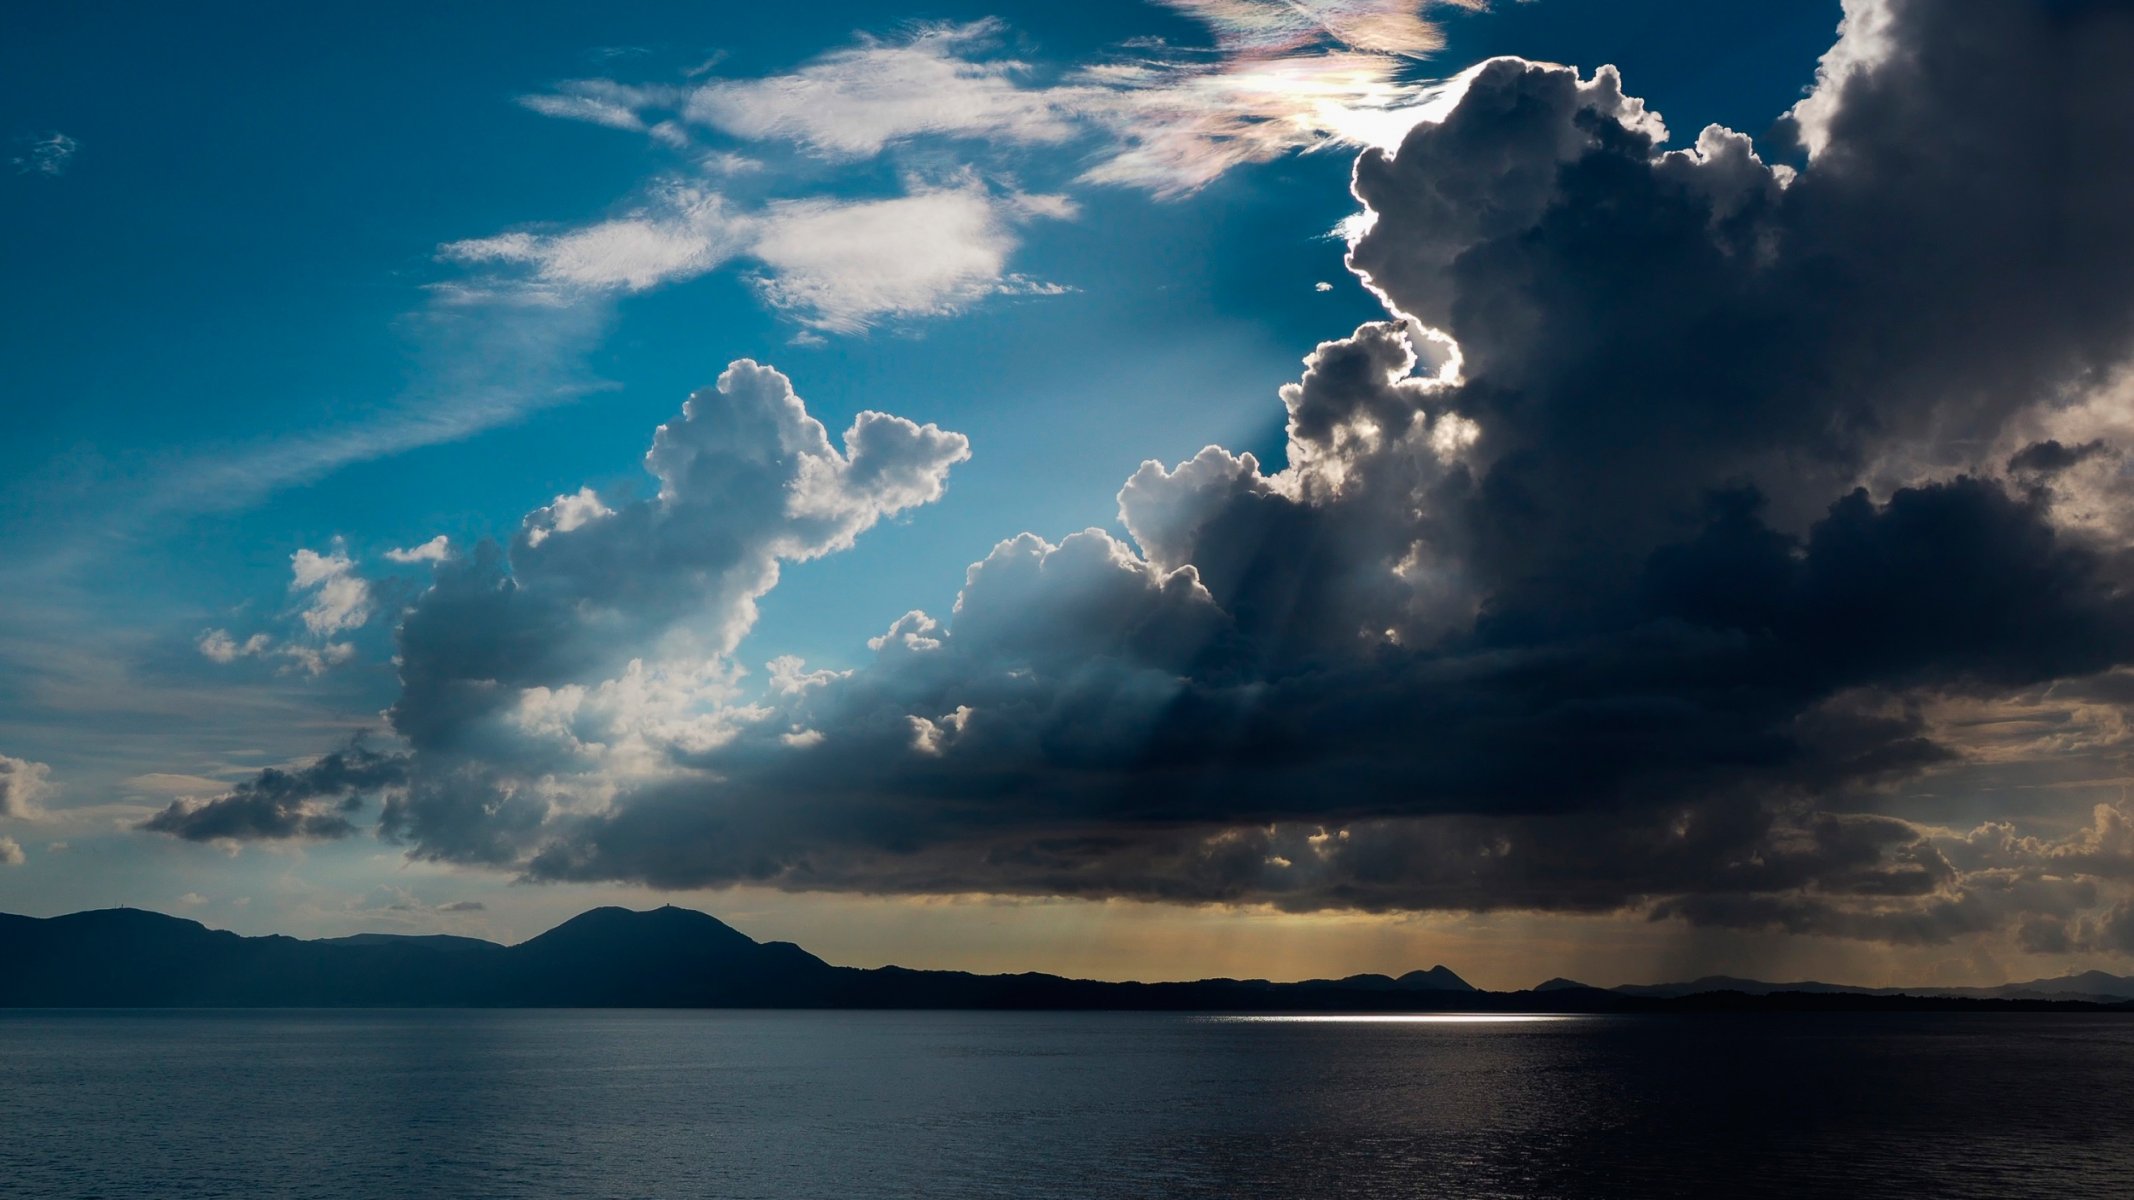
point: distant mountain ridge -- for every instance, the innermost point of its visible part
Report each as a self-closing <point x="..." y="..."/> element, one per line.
<point x="1437" y="979"/>
<point x="676" y="957"/>
<point x="2096" y="986"/>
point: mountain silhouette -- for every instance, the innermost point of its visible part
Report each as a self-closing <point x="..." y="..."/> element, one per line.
<point x="679" y="958"/>
<point x="1728" y="983"/>
<point x="1436" y="979"/>
<point x="435" y="941"/>
<point x="2094" y="986"/>
<point x="668" y="957"/>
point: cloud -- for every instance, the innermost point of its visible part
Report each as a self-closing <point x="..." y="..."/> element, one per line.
<point x="1177" y="124"/>
<point x="23" y="788"/>
<point x="312" y="802"/>
<point x="842" y="266"/>
<point x="217" y="645"/>
<point x="682" y="233"/>
<point x="838" y="265"/>
<point x="599" y="101"/>
<point x="317" y="660"/>
<point x="2050" y="457"/>
<point x="336" y="601"/>
<point x="534" y="652"/>
<point x="1281" y="78"/>
<point x="437" y="549"/>
<point x="522" y="647"/>
<point x="11" y="854"/>
<point x="1274" y="26"/>
<point x="488" y="356"/>
<point x="1677" y="525"/>
<point x="339" y="599"/>
<point x="853" y="103"/>
<point x="46" y="154"/>
<point x="167" y="784"/>
<point x="581" y="107"/>
<point x="400" y="901"/>
<point x="482" y="358"/>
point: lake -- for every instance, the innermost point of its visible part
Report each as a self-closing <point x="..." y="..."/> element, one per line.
<point x="387" y="1104"/>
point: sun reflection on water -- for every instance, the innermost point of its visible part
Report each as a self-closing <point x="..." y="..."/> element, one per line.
<point x="1392" y="1018"/>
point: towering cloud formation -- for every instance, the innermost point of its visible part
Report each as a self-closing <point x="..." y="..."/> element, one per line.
<point x="1686" y="505"/>
<point x="510" y="661"/>
<point x="498" y="655"/>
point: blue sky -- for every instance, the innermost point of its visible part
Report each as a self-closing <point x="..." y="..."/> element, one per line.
<point x="254" y="209"/>
<point x="341" y="279"/>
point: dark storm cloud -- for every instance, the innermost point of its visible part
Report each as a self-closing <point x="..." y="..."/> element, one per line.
<point x="2049" y="456"/>
<point x="311" y="802"/>
<point x="1646" y="599"/>
<point x="1565" y="773"/>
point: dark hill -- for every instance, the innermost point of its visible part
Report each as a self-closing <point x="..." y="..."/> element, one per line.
<point x="2095" y="986"/>
<point x="1439" y="978"/>
<point x="1728" y="983"/>
<point x="668" y="957"/>
<point x="674" y="957"/>
<point x="434" y="941"/>
<point x="131" y="958"/>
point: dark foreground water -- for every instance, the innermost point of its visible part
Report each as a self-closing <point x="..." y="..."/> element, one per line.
<point x="833" y="1105"/>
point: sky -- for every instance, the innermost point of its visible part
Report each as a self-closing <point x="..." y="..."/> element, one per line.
<point x="1139" y="490"/>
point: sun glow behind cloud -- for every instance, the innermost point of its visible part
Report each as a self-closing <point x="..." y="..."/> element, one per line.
<point x="1278" y="26"/>
<point x="1378" y="545"/>
<point x="897" y="180"/>
<point x="1394" y="1019"/>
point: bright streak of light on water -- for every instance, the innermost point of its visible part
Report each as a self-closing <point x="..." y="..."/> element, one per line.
<point x="1397" y="1018"/>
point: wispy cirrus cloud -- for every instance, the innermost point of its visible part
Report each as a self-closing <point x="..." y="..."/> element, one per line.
<point x="46" y="154"/>
<point x="837" y="265"/>
<point x="680" y="232"/>
<point x="486" y="357"/>
<point x="1250" y="27"/>
<point x="605" y="102"/>
<point x="1278" y="78"/>
<point x="939" y="80"/>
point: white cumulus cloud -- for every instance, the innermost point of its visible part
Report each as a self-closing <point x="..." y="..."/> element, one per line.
<point x="437" y="549"/>
<point x="23" y="787"/>
<point x="340" y="599"/>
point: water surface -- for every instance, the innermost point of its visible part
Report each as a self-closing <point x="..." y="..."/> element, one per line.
<point x="339" y="1105"/>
